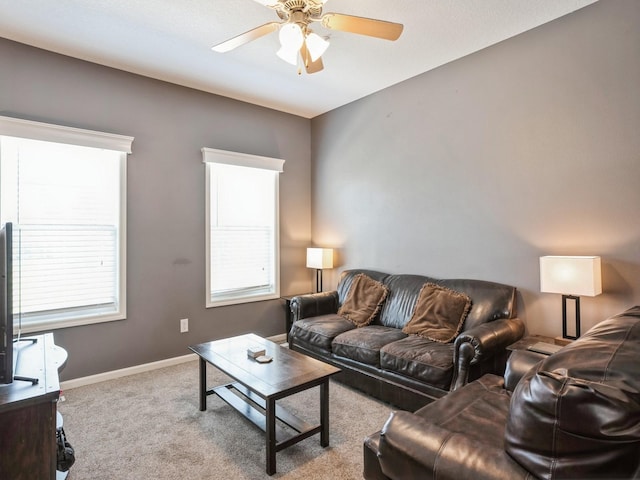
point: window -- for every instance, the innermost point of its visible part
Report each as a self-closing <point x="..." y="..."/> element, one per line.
<point x="242" y="228"/>
<point x="64" y="191"/>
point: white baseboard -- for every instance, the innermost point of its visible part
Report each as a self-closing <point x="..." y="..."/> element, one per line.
<point x="113" y="374"/>
<point x="146" y="367"/>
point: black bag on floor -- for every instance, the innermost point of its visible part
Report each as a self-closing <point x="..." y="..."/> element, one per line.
<point x="66" y="455"/>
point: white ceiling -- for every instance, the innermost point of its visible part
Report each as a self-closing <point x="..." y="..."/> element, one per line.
<point x="171" y="40"/>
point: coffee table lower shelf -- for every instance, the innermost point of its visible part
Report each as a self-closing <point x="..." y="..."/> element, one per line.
<point x="245" y="402"/>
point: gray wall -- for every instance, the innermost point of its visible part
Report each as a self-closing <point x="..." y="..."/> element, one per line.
<point x="476" y="169"/>
<point x="166" y="191"/>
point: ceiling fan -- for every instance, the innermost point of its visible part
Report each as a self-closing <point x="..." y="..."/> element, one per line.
<point x="298" y="41"/>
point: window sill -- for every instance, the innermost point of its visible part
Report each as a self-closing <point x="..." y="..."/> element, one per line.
<point x="240" y="300"/>
<point x="48" y="325"/>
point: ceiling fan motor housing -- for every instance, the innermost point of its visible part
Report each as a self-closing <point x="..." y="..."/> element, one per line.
<point x="308" y="7"/>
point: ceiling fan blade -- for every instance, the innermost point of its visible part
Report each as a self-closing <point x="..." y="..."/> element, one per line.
<point x="363" y="26"/>
<point x="246" y="37"/>
<point x="268" y="3"/>
<point x="309" y="65"/>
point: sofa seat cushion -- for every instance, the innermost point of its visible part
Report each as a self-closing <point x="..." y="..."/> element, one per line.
<point x="459" y="436"/>
<point x="317" y="333"/>
<point x="479" y="410"/>
<point x="364" y="343"/>
<point x="577" y="413"/>
<point x="420" y="358"/>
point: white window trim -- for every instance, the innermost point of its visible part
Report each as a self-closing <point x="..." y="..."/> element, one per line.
<point x="209" y="156"/>
<point x="16" y="127"/>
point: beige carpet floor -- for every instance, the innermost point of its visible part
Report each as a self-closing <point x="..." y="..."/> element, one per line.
<point x="148" y="426"/>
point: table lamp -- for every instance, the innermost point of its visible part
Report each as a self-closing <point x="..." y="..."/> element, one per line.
<point x="319" y="258"/>
<point x="571" y="276"/>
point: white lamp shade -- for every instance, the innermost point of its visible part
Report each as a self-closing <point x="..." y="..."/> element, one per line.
<point x="320" y="258"/>
<point x="577" y="275"/>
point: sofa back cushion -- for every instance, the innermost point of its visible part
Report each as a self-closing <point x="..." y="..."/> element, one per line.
<point x="489" y="300"/>
<point x="401" y="301"/>
<point x="577" y="413"/>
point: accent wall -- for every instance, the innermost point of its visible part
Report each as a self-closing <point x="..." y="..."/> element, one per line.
<point x="530" y="147"/>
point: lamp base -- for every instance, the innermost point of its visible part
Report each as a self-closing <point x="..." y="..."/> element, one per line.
<point x="318" y="280"/>
<point x="564" y="316"/>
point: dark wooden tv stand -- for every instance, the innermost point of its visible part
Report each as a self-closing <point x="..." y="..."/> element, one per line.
<point x="28" y="412"/>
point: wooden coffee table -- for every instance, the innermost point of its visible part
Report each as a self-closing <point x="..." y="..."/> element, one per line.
<point x="262" y="384"/>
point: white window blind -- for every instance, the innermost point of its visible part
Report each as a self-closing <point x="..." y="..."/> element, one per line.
<point x="64" y="267"/>
<point x="67" y="204"/>
<point x="242" y="227"/>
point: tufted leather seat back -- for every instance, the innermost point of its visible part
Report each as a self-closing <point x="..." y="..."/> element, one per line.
<point x="489" y="300"/>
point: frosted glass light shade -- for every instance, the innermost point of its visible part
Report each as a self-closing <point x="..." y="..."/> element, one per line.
<point x="577" y="275"/>
<point x="291" y="39"/>
<point x="320" y="258"/>
<point x="291" y="36"/>
<point x="289" y="56"/>
<point x="316" y="45"/>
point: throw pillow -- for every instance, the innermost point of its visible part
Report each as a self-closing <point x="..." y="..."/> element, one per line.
<point x="364" y="300"/>
<point x="439" y="313"/>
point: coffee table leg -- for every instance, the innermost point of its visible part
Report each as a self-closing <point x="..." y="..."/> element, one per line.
<point x="324" y="413"/>
<point x="271" y="436"/>
<point x="203" y="385"/>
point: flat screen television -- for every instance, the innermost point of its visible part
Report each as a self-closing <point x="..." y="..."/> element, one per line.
<point x="7" y="363"/>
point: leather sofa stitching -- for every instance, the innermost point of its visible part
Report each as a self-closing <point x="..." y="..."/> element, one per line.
<point x="439" y="454"/>
<point x="558" y="411"/>
<point x="606" y="370"/>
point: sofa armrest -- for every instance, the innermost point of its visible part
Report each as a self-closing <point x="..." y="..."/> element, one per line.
<point x="519" y="363"/>
<point x="411" y="447"/>
<point x="314" y="304"/>
<point x="484" y="341"/>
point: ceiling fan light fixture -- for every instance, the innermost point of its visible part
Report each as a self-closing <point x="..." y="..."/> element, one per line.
<point x="289" y="56"/>
<point x="298" y="42"/>
<point x="316" y="45"/>
<point x="291" y="36"/>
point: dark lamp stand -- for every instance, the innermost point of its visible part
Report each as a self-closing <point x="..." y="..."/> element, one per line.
<point x="318" y="280"/>
<point x="564" y="316"/>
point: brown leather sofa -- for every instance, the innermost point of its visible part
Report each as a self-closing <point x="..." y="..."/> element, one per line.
<point x="407" y="371"/>
<point x="574" y="414"/>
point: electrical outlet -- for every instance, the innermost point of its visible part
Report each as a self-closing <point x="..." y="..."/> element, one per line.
<point x="184" y="325"/>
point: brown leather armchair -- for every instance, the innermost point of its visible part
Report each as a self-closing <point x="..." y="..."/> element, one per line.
<point x="574" y="414"/>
